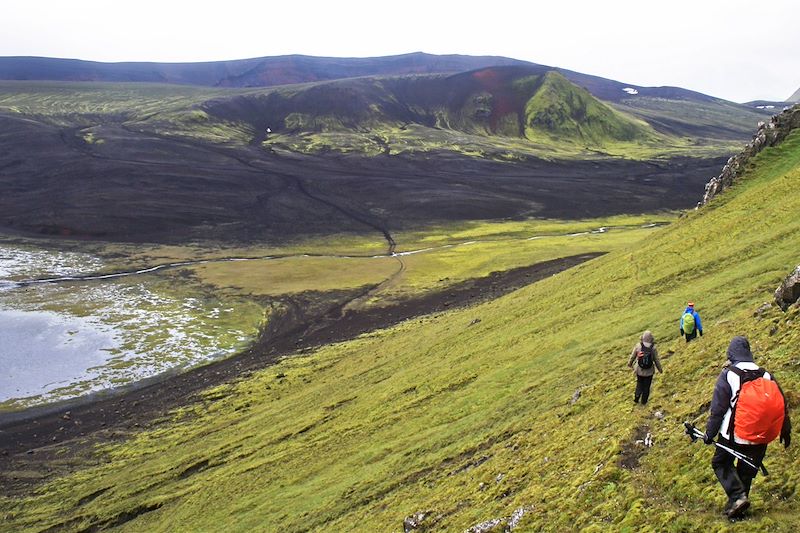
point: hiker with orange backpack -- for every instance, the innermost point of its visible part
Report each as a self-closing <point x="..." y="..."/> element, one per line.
<point x="690" y="323"/>
<point x="758" y="415"/>
<point x="645" y="357"/>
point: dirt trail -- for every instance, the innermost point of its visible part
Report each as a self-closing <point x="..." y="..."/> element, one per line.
<point x="29" y="438"/>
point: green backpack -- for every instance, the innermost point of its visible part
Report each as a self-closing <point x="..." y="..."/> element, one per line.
<point x="688" y="323"/>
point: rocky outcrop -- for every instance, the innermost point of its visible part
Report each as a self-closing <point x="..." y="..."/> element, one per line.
<point x="789" y="291"/>
<point x="768" y="134"/>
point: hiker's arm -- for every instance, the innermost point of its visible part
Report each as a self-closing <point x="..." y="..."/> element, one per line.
<point x="786" y="429"/>
<point x="657" y="361"/>
<point x="633" y="356"/>
<point x="720" y="403"/>
<point x="699" y="323"/>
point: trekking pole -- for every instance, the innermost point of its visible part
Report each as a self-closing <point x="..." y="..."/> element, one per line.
<point x="695" y="434"/>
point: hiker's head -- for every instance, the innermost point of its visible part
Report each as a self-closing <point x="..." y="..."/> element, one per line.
<point x="739" y="350"/>
<point x="647" y="339"/>
<point x="690" y="304"/>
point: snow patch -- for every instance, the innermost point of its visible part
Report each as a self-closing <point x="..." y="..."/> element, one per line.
<point x="630" y="90"/>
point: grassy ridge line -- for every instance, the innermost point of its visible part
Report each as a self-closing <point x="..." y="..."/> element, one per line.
<point x="415" y="418"/>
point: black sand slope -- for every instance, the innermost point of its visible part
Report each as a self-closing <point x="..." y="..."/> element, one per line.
<point x="138" y="186"/>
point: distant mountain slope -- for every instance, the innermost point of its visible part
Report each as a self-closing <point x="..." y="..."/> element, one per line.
<point x="795" y="97"/>
<point x="522" y="102"/>
<point x="670" y="110"/>
<point x="256" y="72"/>
<point x="289" y="69"/>
<point x="527" y="108"/>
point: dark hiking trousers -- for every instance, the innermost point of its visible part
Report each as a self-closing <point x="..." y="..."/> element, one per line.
<point x="736" y="480"/>
<point x="692" y="335"/>
<point x="642" y="388"/>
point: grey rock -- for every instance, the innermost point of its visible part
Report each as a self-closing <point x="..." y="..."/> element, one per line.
<point x="505" y="524"/>
<point x="516" y="516"/>
<point x="789" y="291"/>
<point x="575" y="397"/>
<point x="759" y="313"/>
<point x="485" y="527"/>
<point x="415" y="521"/>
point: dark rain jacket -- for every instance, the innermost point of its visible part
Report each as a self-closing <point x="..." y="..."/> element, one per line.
<point x="722" y="402"/>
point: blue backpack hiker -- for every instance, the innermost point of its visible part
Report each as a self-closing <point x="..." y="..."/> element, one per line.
<point x="690" y="323"/>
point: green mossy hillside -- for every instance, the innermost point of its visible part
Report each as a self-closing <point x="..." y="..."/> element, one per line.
<point x="564" y="112"/>
<point x="522" y="402"/>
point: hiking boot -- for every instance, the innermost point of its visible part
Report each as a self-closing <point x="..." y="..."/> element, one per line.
<point x="738" y="507"/>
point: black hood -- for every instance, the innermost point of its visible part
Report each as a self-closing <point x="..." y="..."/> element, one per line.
<point x="739" y="350"/>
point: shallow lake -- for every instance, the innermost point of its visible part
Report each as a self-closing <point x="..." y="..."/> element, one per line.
<point x="62" y="340"/>
<point x="44" y="351"/>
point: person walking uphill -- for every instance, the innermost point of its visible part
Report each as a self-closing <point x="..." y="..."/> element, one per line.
<point x="645" y="357"/>
<point x="690" y="323"/>
<point x="748" y="410"/>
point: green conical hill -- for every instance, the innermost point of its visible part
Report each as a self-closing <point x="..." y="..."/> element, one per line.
<point x="562" y="111"/>
<point x="521" y="404"/>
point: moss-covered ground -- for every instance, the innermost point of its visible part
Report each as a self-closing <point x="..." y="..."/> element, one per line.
<point x="471" y="420"/>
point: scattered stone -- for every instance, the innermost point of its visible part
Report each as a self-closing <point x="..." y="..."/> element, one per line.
<point x="648" y="441"/>
<point x="499" y="478"/>
<point x="505" y="524"/>
<point x="475" y="321"/>
<point x="482" y="486"/>
<point x="575" y="397"/>
<point x="280" y="375"/>
<point x="67" y="415"/>
<point x="414" y="521"/>
<point x="789" y="291"/>
<point x="485" y="527"/>
<point x="516" y="516"/>
<point x="759" y="313"/>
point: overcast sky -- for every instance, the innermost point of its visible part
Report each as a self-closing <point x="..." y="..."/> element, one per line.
<point x="740" y="50"/>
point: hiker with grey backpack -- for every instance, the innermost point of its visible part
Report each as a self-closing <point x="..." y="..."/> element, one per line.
<point x="748" y="411"/>
<point x="644" y="361"/>
<point x="691" y="324"/>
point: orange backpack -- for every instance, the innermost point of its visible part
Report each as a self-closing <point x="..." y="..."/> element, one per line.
<point x="759" y="407"/>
